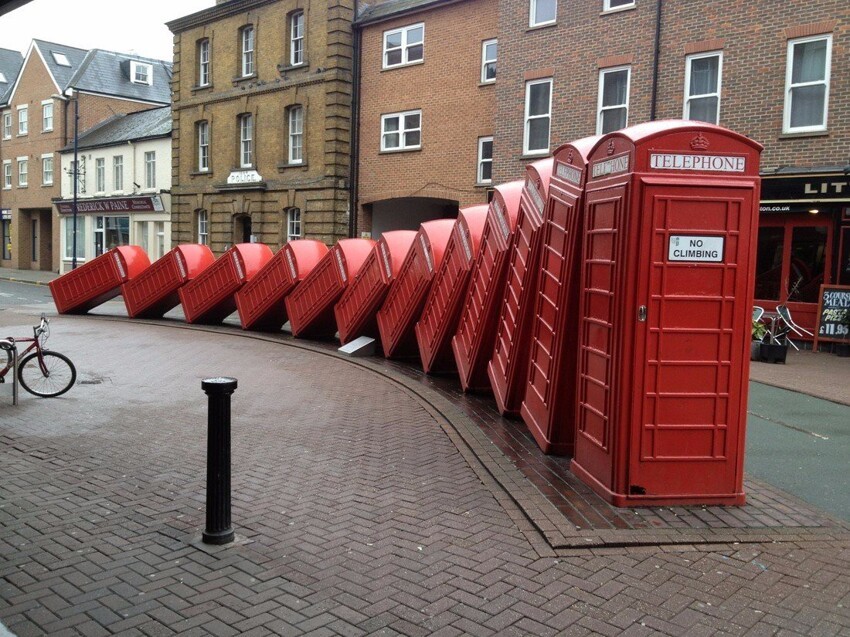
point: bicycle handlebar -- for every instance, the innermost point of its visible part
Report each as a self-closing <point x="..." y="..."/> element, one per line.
<point x="42" y="326"/>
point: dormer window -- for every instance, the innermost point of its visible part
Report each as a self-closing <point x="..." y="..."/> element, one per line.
<point x="60" y="58"/>
<point x="141" y="73"/>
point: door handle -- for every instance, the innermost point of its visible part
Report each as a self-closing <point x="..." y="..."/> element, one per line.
<point x="642" y="313"/>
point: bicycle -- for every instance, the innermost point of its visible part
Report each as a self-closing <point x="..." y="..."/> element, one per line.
<point x="42" y="372"/>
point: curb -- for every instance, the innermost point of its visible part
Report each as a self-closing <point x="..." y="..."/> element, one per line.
<point x="14" y="280"/>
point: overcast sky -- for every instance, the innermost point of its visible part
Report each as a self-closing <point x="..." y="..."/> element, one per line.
<point x="116" y="25"/>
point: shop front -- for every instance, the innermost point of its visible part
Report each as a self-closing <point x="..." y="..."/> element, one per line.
<point x="803" y="239"/>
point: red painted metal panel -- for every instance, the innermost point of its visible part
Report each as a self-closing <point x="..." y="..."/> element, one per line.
<point x="260" y="301"/>
<point x="665" y="325"/>
<point x="472" y="344"/>
<point x="211" y="296"/>
<point x="154" y="291"/>
<point x="508" y="366"/>
<point x="310" y="306"/>
<point x="357" y="309"/>
<point x="549" y="393"/>
<point x="406" y="297"/>
<point x="97" y="281"/>
<point x="441" y="313"/>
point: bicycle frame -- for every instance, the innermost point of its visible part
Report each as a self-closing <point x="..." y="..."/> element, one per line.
<point x="34" y="343"/>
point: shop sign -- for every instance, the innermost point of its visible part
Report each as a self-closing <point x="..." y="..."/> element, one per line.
<point x="117" y="204"/>
<point x="244" y="177"/>
<point x="834" y="187"/>
<point x="695" y="248"/>
<point x="6" y="214"/>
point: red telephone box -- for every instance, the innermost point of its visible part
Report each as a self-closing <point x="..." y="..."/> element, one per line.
<point x="154" y="291"/>
<point x="406" y="297"/>
<point x="211" y="296"/>
<point x="549" y="405"/>
<point x="310" y="306"/>
<point x="357" y="309"/>
<point x="670" y="229"/>
<point x="99" y="280"/>
<point x="508" y="366"/>
<point x="472" y="344"/>
<point x="260" y="301"/>
<point x="441" y="314"/>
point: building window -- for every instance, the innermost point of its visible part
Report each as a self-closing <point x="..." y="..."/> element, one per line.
<point x="404" y="46"/>
<point x="60" y="58"/>
<point x="702" y="87"/>
<point x="485" y="160"/>
<point x="247" y="51"/>
<point x="293" y="224"/>
<point x="23" y="167"/>
<point x="542" y="12"/>
<point x="296" y="135"/>
<point x="68" y="223"/>
<point x="100" y="174"/>
<point x="7" y="126"/>
<point x="7" y="174"/>
<point x="47" y="170"/>
<point x="611" y="5"/>
<point x="118" y="173"/>
<point x="538" y="113"/>
<point x="141" y="73"/>
<point x="807" y="84"/>
<point x="204" y="62"/>
<point x="613" y="110"/>
<point x="203" y="228"/>
<point x="203" y="146"/>
<point x="47" y="116"/>
<point x="23" y="120"/>
<point x="141" y="238"/>
<point x="34" y="240"/>
<point x="246" y="140"/>
<point x="159" y="231"/>
<point x="488" y="61"/>
<point x="296" y="38"/>
<point x="7" y="239"/>
<point x="401" y="131"/>
<point x="150" y="169"/>
<point x="110" y="232"/>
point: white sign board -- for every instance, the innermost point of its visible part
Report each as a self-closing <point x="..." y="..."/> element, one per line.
<point x="244" y="177"/>
<point x="693" y="248"/>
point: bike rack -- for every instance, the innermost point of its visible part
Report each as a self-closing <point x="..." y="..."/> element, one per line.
<point x="9" y="346"/>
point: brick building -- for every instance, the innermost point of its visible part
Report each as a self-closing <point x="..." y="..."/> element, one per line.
<point x="262" y="107"/>
<point x="37" y="119"/>
<point x="10" y="66"/>
<point x="424" y="122"/>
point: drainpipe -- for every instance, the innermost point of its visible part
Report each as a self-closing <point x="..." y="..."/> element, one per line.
<point x="655" y="60"/>
<point x="353" y="200"/>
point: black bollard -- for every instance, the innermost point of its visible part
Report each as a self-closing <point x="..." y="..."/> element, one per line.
<point x="218" y="529"/>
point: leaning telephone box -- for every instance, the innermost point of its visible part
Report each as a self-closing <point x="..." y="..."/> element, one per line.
<point x="99" y="280"/>
<point x="548" y="408"/>
<point x="508" y="366"/>
<point x="472" y="344"/>
<point x="670" y="230"/>
<point x="260" y="301"/>
<point x="357" y="309"/>
<point x="439" y="319"/>
<point x="310" y="306"/>
<point x="154" y="291"/>
<point x="406" y="297"/>
<point x="211" y="296"/>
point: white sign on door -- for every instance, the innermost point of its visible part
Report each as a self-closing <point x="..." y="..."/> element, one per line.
<point x="693" y="248"/>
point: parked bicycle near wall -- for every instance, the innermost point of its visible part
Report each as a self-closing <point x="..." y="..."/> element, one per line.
<point x="41" y="372"/>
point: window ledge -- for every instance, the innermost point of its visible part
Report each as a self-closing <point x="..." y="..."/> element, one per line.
<point x="538" y="27"/>
<point x="199" y="173"/>
<point x="631" y="7"/>
<point x="49" y="130"/>
<point x="400" y="150"/>
<point x="402" y="66"/>
<point x="286" y="68"/>
<point x="47" y="185"/>
<point x="243" y="78"/>
<point x="24" y="186"/>
<point x="814" y="133"/>
<point x="538" y="155"/>
<point x="490" y="83"/>
<point x="285" y="164"/>
<point x="201" y="87"/>
<point x="484" y="184"/>
<point x="22" y="134"/>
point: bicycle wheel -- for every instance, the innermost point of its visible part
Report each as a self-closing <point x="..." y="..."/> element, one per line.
<point x="60" y="376"/>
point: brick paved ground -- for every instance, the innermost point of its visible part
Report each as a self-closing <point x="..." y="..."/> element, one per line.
<point x="364" y="509"/>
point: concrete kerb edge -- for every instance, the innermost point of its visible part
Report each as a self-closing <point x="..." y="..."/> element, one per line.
<point x="26" y="281"/>
<point x="455" y="424"/>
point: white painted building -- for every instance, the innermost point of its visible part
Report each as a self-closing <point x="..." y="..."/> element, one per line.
<point x="123" y="187"/>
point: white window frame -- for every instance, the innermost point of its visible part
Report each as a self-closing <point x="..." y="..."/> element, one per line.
<point x="686" y="107"/>
<point x="624" y="4"/>
<point x="485" y="60"/>
<point x="204" y="62"/>
<point x="23" y="175"/>
<point x="46" y="116"/>
<point x="23" y="120"/>
<point x="789" y="65"/>
<point x="404" y="47"/>
<point x="526" y="138"/>
<point x="141" y="78"/>
<point x="599" y="107"/>
<point x="294" y="229"/>
<point x="203" y="227"/>
<point x="401" y="131"/>
<point x="7" y="174"/>
<point x="150" y="169"/>
<point x="47" y="173"/>
<point x="159" y="236"/>
<point x="296" y="38"/>
<point x="100" y="175"/>
<point x="118" y="173"/>
<point x="7" y="125"/>
<point x="203" y="146"/>
<point x="479" y="178"/>
<point x="246" y="140"/>
<point x="295" y="119"/>
<point x="246" y="49"/>
<point x="532" y="9"/>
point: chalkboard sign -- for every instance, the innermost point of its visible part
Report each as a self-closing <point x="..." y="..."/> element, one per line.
<point x="833" y="306"/>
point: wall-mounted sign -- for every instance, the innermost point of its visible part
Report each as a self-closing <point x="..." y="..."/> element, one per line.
<point x="826" y="187"/>
<point x="113" y="204"/>
<point x="5" y="213"/>
<point x="244" y="177"/>
<point x="708" y="163"/>
<point x="693" y="248"/>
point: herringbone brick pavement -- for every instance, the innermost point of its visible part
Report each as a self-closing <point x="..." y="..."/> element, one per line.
<point x="359" y="514"/>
